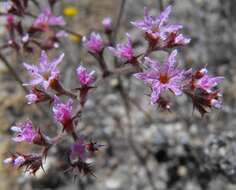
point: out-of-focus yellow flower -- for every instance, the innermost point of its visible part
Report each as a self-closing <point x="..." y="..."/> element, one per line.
<point x="74" y="38"/>
<point x="70" y="11"/>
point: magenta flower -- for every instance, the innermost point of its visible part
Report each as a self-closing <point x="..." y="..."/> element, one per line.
<point x="31" y="162"/>
<point x="207" y="82"/>
<point x="78" y="149"/>
<point x="46" y="72"/>
<point x="216" y="103"/>
<point x="180" y="39"/>
<point x="94" y="43"/>
<point x="158" y="29"/>
<point x="174" y="39"/>
<point x="107" y="24"/>
<point x="36" y="96"/>
<point x="19" y="161"/>
<point x="46" y="19"/>
<point x="85" y="78"/>
<point x="157" y="26"/>
<point x="10" y="21"/>
<point x="24" y="132"/>
<point x="124" y="51"/>
<point x="32" y="98"/>
<point x="63" y="112"/>
<point x="8" y="160"/>
<point x="16" y="160"/>
<point x="163" y="76"/>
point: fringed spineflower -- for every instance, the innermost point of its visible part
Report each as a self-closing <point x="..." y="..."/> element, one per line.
<point x="84" y="77"/>
<point x="46" y="72"/>
<point x="63" y="113"/>
<point x="162" y="77"/>
<point x="46" y="19"/>
<point x="94" y="43"/>
<point x="125" y="51"/>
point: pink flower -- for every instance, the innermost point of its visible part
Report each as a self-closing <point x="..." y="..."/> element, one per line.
<point x="46" y="19"/>
<point x="8" y="160"/>
<point x="157" y="26"/>
<point x="46" y="72"/>
<point x="174" y="39"/>
<point x="107" y="24"/>
<point x="32" y="98"/>
<point x="124" y="51"/>
<point x="31" y="162"/>
<point x="63" y="112"/>
<point x="158" y="29"/>
<point x="201" y="87"/>
<point x="24" y="132"/>
<point x="163" y="76"/>
<point x="207" y="82"/>
<point x="85" y="78"/>
<point x="36" y="96"/>
<point x="78" y="149"/>
<point x="19" y="161"/>
<point x="16" y="160"/>
<point x="94" y="43"/>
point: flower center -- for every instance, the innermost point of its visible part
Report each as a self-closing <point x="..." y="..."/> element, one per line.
<point x="46" y="75"/>
<point x="155" y="29"/>
<point x="164" y="78"/>
<point x="43" y="26"/>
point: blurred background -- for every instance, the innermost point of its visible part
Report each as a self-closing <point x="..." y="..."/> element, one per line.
<point x="170" y="150"/>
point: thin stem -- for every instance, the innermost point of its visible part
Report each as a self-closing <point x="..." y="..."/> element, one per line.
<point x="14" y="73"/>
<point x="58" y="87"/>
<point x="69" y="93"/>
<point x="71" y="32"/>
<point x="125" y="99"/>
<point x="126" y="70"/>
<point x="102" y="64"/>
<point x="117" y="26"/>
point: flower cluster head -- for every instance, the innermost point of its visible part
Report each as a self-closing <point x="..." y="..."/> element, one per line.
<point x="84" y="77"/>
<point x="63" y="113"/>
<point x="202" y="88"/>
<point x="46" y="72"/>
<point x="31" y="162"/>
<point x="124" y="51"/>
<point x="94" y="43"/>
<point x="81" y="149"/>
<point x="46" y="19"/>
<point x="202" y="80"/>
<point x="24" y="132"/>
<point x="159" y="32"/>
<point x="162" y="77"/>
<point x="79" y="152"/>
